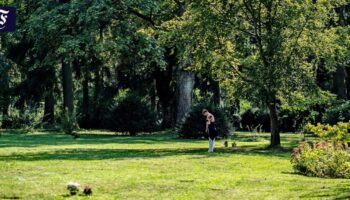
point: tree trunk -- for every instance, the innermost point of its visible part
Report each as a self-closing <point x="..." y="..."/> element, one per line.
<point x="5" y="110"/>
<point x="185" y="83"/>
<point x="86" y="104"/>
<point x="153" y="96"/>
<point x="67" y="82"/>
<point x="348" y="82"/>
<point x="216" y="93"/>
<point x="164" y="90"/>
<point x="339" y="86"/>
<point x="275" y="139"/>
<point x="96" y="98"/>
<point x="49" y="109"/>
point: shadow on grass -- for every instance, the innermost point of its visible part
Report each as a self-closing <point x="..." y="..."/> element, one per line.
<point x="46" y="139"/>
<point x="166" y="137"/>
<point x="101" y="154"/>
<point x="339" y="192"/>
<point x="12" y="138"/>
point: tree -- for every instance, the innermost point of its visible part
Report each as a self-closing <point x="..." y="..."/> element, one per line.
<point x="265" y="49"/>
<point x="175" y="80"/>
<point x="341" y="82"/>
<point x="185" y="83"/>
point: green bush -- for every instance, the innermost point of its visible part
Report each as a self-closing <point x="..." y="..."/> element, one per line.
<point x="132" y="115"/>
<point x="27" y="120"/>
<point x="194" y="125"/>
<point x="337" y="113"/>
<point x="338" y="132"/>
<point x="321" y="159"/>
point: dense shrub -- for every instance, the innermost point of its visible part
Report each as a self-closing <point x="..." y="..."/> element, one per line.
<point x="194" y="125"/>
<point x="296" y="111"/>
<point x="253" y="118"/>
<point x="321" y="159"/>
<point x="338" y="112"/>
<point x="27" y="120"/>
<point x="337" y="132"/>
<point x="132" y="115"/>
<point x="291" y="119"/>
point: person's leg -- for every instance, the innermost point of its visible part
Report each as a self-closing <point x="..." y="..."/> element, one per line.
<point x="211" y="145"/>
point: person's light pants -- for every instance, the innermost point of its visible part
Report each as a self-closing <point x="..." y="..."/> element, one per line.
<point x="211" y="145"/>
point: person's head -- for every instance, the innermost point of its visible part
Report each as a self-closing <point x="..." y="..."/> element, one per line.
<point x="205" y="112"/>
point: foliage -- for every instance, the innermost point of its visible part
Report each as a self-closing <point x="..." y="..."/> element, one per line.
<point x="263" y="50"/>
<point x="298" y="109"/>
<point x="321" y="159"/>
<point x="194" y="125"/>
<point x="337" y="132"/>
<point x="294" y="112"/>
<point x="68" y="122"/>
<point x="95" y="38"/>
<point x="338" y="112"/>
<point x="27" y="120"/>
<point x="255" y="118"/>
<point x="131" y="114"/>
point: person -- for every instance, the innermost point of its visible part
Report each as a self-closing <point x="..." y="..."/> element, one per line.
<point x="210" y="128"/>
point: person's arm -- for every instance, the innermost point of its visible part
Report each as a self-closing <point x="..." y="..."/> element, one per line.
<point x="207" y="125"/>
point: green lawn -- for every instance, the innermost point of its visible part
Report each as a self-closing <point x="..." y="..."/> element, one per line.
<point x="157" y="166"/>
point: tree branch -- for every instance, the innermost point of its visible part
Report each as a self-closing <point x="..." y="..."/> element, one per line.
<point x="142" y="16"/>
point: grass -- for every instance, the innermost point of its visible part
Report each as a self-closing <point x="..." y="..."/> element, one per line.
<point x="156" y="166"/>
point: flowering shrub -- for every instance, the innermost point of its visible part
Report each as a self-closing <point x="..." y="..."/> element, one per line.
<point x="322" y="159"/>
<point x="337" y="132"/>
<point x="73" y="187"/>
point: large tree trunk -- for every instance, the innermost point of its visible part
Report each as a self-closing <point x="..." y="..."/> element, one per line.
<point x="339" y="86"/>
<point x="67" y="82"/>
<point x="49" y="109"/>
<point x="185" y="82"/>
<point x="5" y="108"/>
<point x="164" y="90"/>
<point x="275" y="139"/>
<point x="86" y="104"/>
<point x="97" y="94"/>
